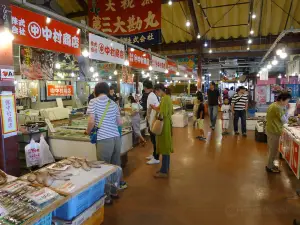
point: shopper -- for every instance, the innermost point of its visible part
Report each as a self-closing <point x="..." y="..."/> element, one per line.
<point x="91" y="96"/>
<point x="136" y="119"/>
<point x="276" y="117"/>
<point x="152" y="99"/>
<point x="108" y="147"/>
<point x="112" y="95"/>
<point x="239" y="108"/>
<point x="225" y="109"/>
<point x="164" y="144"/>
<point x="200" y="120"/>
<point x="214" y="99"/>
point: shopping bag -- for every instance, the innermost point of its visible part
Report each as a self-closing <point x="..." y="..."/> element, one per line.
<point x="32" y="153"/>
<point x="157" y="125"/>
<point x="46" y="155"/>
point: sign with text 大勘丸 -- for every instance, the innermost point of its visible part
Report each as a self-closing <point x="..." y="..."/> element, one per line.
<point x="138" y="59"/>
<point x="158" y="64"/>
<point x="8" y="114"/>
<point x="32" y="29"/>
<point x="59" y="90"/>
<point x="106" y="50"/>
<point x="136" y="20"/>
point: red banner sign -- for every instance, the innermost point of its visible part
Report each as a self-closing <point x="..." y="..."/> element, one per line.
<point x="295" y="158"/>
<point x="32" y="29"/>
<point x="172" y="67"/>
<point x="138" y="59"/>
<point x="59" y="90"/>
<point x="123" y="17"/>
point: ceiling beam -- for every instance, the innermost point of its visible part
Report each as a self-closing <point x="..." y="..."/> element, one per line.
<point x="193" y="16"/>
<point x="226" y="5"/>
<point x="77" y="14"/>
<point x="223" y="43"/>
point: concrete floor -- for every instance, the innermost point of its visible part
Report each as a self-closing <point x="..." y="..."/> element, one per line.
<point x="221" y="181"/>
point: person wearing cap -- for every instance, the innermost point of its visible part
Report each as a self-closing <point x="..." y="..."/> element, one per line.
<point x="239" y="108"/>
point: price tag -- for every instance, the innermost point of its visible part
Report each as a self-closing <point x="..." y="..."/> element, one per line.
<point x="41" y="196"/>
<point x="67" y="187"/>
<point x="12" y="187"/>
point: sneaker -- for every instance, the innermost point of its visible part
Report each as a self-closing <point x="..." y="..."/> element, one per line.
<point x="108" y="201"/>
<point x="123" y="185"/>
<point x="236" y="133"/>
<point x="272" y="170"/>
<point x="153" y="161"/>
<point x="202" y="138"/>
<point x="244" y="135"/>
<point x="149" y="157"/>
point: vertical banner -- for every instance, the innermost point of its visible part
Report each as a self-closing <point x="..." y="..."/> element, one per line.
<point x="294" y="90"/>
<point x="295" y="159"/>
<point x="261" y="94"/>
<point x="8" y="114"/>
<point x="135" y="21"/>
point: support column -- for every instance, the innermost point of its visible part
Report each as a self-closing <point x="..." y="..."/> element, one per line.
<point x="137" y="80"/>
<point x="9" y="161"/>
<point x="199" y="65"/>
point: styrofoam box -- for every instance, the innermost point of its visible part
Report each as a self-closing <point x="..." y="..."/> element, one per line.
<point x="251" y="124"/>
<point x="82" y="217"/>
<point x="180" y="120"/>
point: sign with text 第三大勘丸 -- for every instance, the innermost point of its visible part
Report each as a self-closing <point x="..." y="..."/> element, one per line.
<point x="35" y="30"/>
<point x="137" y="21"/>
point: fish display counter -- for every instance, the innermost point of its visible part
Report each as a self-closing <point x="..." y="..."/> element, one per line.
<point x="289" y="147"/>
<point x="72" y="141"/>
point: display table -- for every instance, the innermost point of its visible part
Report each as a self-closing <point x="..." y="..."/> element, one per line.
<point x="71" y="141"/>
<point x="289" y="148"/>
<point x="85" y="198"/>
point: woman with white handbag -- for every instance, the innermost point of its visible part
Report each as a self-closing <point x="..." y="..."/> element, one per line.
<point x="162" y="127"/>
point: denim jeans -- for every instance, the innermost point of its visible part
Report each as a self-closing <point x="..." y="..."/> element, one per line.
<point x="239" y="114"/>
<point x="165" y="165"/>
<point x="213" y="112"/>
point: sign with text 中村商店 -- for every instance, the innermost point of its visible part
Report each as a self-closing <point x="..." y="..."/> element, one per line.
<point x="106" y="50"/>
<point x="59" y="90"/>
<point x="8" y="114"/>
<point x="32" y="29"/>
<point x="158" y="64"/>
<point x="134" y="21"/>
<point x="138" y="59"/>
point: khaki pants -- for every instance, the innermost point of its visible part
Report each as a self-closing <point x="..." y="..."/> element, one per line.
<point x="273" y="146"/>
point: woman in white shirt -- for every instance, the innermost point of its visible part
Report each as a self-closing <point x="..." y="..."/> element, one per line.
<point x="136" y="119"/>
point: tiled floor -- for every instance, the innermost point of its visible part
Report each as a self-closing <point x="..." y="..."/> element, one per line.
<point x="218" y="182"/>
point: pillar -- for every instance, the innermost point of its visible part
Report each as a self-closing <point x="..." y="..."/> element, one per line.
<point x="136" y="76"/>
<point x="9" y="161"/>
<point x="199" y="65"/>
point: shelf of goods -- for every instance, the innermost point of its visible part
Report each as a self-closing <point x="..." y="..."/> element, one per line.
<point x="289" y="148"/>
<point x="57" y="194"/>
<point x="71" y="141"/>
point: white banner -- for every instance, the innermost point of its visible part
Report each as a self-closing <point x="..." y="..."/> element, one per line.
<point x="106" y="50"/>
<point x="158" y="64"/>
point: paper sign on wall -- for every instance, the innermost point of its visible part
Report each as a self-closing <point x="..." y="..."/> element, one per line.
<point x="7" y="74"/>
<point x="9" y="115"/>
<point x="59" y="90"/>
<point x="106" y="50"/>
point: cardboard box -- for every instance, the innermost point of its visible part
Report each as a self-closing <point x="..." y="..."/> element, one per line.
<point x="98" y="207"/>
<point x="97" y="218"/>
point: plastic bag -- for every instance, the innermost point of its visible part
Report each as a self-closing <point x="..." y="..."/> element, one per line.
<point x="32" y="153"/>
<point x="46" y="155"/>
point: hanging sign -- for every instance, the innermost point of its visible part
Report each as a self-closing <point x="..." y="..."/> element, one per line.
<point x="8" y="114"/>
<point x="264" y="75"/>
<point x="32" y="29"/>
<point x="127" y="18"/>
<point x="172" y="67"/>
<point x="106" y="50"/>
<point x="59" y="90"/>
<point x="7" y="74"/>
<point x="138" y="59"/>
<point x="158" y="64"/>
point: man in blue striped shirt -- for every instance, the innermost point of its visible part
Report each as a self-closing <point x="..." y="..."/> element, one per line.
<point x="239" y="108"/>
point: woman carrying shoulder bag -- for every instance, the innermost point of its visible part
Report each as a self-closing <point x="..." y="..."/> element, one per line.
<point x="164" y="143"/>
<point x="104" y="114"/>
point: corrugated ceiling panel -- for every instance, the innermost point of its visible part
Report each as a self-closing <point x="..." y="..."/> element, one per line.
<point x="173" y="23"/>
<point x="69" y="6"/>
